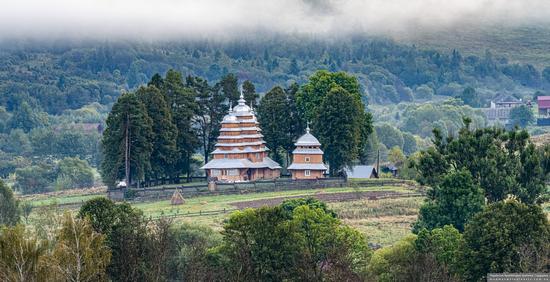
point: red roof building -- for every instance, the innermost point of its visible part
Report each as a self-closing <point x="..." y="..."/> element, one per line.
<point x="543" y="103"/>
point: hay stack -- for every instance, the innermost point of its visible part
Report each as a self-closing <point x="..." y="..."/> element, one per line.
<point x="177" y="198"/>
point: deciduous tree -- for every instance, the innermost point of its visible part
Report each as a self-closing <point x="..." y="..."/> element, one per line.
<point x="498" y="239"/>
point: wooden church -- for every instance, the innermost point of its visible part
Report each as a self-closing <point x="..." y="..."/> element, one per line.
<point x="241" y="154"/>
<point x="307" y="158"/>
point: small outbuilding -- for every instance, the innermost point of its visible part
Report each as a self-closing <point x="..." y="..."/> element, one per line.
<point x="361" y="171"/>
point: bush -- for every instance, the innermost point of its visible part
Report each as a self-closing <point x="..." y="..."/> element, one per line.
<point x="74" y="173"/>
<point x="35" y="179"/>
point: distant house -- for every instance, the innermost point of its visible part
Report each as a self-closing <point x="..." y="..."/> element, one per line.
<point x="543" y="103"/>
<point x="499" y="111"/>
<point x="390" y="169"/>
<point x="361" y="171"/>
<point x="507" y="101"/>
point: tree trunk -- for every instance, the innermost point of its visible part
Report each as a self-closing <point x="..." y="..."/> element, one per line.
<point x="127" y="151"/>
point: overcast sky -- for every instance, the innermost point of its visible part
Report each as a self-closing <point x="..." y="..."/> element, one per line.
<point x="158" y="19"/>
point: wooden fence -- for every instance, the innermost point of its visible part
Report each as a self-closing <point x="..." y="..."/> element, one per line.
<point x="283" y="184"/>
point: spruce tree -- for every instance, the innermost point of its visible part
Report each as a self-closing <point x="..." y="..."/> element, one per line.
<point x="128" y="133"/>
<point x="273" y="115"/>
<point x="183" y="106"/>
<point x="249" y="93"/>
<point x="230" y="88"/>
<point x="165" y="132"/>
<point x="209" y="112"/>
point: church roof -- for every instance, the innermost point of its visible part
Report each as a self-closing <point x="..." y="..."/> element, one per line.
<point x="307" y="140"/>
<point x="239" y="151"/>
<point x="240" y="136"/>
<point x="242" y="144"/>
<point x="240" y="163"/>
<point x="315" y="151"/>
<point x="310" y="166"/>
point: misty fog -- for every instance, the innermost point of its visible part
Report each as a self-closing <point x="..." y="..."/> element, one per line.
<point x="221" y="19"/>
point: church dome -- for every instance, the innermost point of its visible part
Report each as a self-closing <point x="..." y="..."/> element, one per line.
<point x="241" y="106"/>
<point x="307" y="140"/>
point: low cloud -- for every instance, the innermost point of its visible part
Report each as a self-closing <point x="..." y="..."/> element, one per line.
<point x="173" y="19"/>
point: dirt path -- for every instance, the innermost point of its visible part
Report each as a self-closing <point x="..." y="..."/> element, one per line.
<point x="326" y="197"/>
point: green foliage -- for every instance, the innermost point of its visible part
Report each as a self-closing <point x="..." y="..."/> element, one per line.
<point x="421" y="119"/>
<point x="25" y="118"/>
<point x="313" y="93"/>
<point x="342" y="128"/>
<point x="440" y="247"/>
<point x="9" y="206"/>
<point x="389" y="136"/>
<point x="394" y="263"/>
<point x="396" y="157"/>
<point x="74" y="173"/>
<point x="500" y="162"/>
<point x="506" y="237"/>
<point x="80" y="253"/>
<point x="409" y="144"/>
<point x="127" y="120"/>
<point x="66" y="142"/>
<point x="291" y="204"/>
<point x="432" y="256"/>
<point x="521" y="116"/>
<point x="470" y="97"/>
<point x="16" y="143"/>
<point x="280" y="121"/>
<point x="424" y="92"/>
<point x="196" y="258"/>
<point x="273" y="244"/>
<point x="249" y="93"/>
<point x="35" y="179"/>
<point x="230" y="88"/>
<point x="183" y="107"/>
<point x="452" y="202"/>
<point x="23" y="258"/>
<point x="210" y="111"/>
<point x="164" y="131"/>
<point x="140" y="251"/>
<point x="101" y="212"/>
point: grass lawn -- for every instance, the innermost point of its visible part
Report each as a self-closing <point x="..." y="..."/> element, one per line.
<point x="384" y="221"/>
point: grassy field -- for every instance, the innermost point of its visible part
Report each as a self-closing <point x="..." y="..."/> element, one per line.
<point x="384" y="221"/>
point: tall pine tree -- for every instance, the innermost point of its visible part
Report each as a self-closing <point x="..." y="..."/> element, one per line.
<point x="229" y="85"/>
<point x="209" y="112"/>
<point x="183" y="106"/>
<point x="165" y="132"/>
<point x="249" y="93"/>
<point x="128" y="133"/>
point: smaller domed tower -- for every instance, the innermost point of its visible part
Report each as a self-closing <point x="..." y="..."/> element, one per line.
<point x="307" y="158"/>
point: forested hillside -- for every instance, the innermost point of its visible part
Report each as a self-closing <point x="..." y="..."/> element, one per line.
<point x="68" y="75"/>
